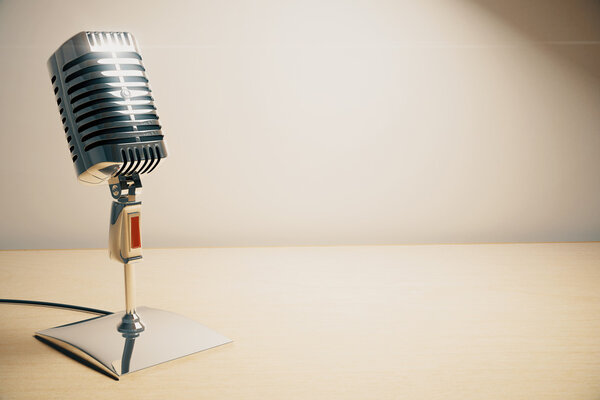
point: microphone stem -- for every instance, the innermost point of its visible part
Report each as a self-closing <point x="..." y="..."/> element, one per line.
<point x="129" y="288"/>
<point x="131" y="325"/>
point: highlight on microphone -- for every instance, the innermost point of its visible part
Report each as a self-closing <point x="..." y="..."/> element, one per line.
<point x="106" y="106"/>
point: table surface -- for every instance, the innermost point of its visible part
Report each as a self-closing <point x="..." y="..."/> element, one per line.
<point x="499" y="321"/>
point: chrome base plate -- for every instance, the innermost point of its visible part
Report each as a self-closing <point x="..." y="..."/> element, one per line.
<point x="98" y="343"/>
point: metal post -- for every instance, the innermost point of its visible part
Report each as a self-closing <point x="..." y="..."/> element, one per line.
<point x="129" y="288"/>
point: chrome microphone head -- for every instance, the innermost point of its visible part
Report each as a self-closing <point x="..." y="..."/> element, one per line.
<point x="106" y="106"/>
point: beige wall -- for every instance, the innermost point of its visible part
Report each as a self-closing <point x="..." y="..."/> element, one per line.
<point x="323" y="122"/>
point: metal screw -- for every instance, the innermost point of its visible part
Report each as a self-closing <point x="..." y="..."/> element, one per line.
<point x="125" y="93"/>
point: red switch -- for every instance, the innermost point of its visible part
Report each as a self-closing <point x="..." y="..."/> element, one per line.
<point x="136" y="237"/>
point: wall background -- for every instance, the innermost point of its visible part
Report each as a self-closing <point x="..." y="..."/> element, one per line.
<point x="322" y="122"/>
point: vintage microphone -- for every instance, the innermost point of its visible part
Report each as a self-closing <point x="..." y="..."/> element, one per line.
<point x="113" y="134"/>
<point x="112" y="130"/>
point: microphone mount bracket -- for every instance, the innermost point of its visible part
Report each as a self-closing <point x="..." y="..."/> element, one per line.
<point x="123" y="188"/>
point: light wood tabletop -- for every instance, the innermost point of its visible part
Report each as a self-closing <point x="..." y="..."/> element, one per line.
<point x="498" y="321"/>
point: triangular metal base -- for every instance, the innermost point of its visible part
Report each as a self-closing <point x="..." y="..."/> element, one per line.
<point x="99" y="343"/>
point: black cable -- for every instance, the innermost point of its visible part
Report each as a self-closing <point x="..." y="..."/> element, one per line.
<point x="56" y="305"/>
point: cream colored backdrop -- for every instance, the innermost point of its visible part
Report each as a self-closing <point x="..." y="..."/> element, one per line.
<point x="322" y="122"/>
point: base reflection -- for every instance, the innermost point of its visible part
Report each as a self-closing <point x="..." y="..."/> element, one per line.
<point x="130" y="327"/>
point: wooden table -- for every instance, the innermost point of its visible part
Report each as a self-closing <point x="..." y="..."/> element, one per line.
<point x="505" y="321"/>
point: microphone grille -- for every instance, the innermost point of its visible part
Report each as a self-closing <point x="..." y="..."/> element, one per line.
<point x="106" y="106"/>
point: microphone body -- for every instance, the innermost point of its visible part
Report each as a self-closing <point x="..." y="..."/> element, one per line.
<point x="113" y="135"/>
<point x="106" y="106"/>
